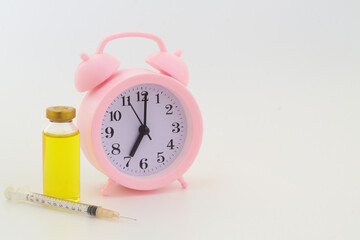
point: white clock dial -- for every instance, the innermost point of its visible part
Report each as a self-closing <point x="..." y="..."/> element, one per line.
<point x="143" y="130"/>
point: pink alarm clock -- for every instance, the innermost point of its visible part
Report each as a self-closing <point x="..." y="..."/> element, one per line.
<point x="141" y="128"/>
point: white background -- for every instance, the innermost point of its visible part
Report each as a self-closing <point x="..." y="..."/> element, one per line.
<point x="278" y="86"/>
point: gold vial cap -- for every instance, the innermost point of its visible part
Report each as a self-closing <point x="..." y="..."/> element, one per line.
<point x="60" y="113"/>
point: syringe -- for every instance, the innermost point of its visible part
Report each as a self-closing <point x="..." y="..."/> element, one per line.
<point x="23" y="194"/>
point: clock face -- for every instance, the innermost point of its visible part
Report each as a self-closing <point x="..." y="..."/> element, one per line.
<point x="143" y="130"/>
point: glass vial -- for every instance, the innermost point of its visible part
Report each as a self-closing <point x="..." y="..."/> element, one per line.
<point x="61" y="154"/>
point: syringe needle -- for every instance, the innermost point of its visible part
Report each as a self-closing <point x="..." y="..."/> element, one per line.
<point x="129" y="218"/>
<point x="101" y="212"/>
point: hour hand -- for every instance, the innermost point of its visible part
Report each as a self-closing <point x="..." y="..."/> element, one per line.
<point x="143" y="130"/>
<point x="136" y="145"/>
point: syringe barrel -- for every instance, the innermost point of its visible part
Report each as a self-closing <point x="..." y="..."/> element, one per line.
<point x="57" y="202"/>
<point x="23" y="194"/>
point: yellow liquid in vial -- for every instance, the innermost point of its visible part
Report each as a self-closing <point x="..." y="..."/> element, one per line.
<point x="61" y="166"/>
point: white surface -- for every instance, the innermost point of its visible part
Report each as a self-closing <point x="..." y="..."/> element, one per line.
<point x="278" y="85"/>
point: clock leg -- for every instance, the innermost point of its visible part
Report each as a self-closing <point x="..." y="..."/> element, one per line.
<point x="182" y="182"/>
<point x="110" y="183"/>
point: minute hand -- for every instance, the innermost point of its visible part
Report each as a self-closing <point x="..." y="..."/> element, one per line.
<point x="137" y="116"/>
<point x="145" y="108"/>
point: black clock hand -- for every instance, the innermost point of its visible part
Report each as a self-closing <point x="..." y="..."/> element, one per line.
<point x="138" y="118"/>
<point x="145" y="108"/>
<point x="135" y="113"/>
<point x="143" y="130"/>
<point x="137" y="143"/>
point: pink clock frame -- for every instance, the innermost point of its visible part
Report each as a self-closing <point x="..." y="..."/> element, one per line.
<point x="98" y="99"/>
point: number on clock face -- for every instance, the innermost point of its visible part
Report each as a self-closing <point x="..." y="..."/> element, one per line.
<point x="143" y="130"/>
